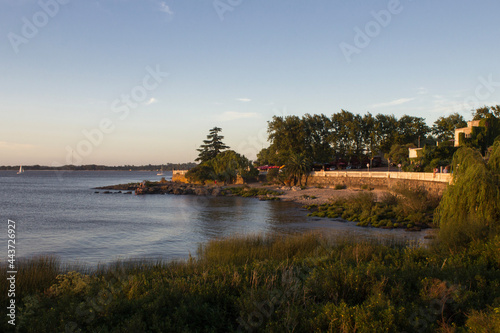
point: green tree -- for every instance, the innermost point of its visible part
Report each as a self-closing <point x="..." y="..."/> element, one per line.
<point x="486" y="112"/>
<point x="399" y="153"/>
<point x="229" y="164"/>
<point x="345" y="137"/>
<point x="371" y="135"/>
<point x="484" y="135"/>
<point x="386" y="128"/>
<point x="470" y="208"/>
<point x="263" y="156"/>
<point x="200" y="174"/>
<point x="317" y="131"/>
<point x="444" y="127"/>
<point x="225" y="167"/>
<point x="411" y="130"/>
<point x="287" y="136"/>
<point x="211" y="147"/>
<point x="298" y="165"/>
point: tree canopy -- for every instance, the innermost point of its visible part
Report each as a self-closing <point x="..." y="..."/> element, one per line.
<point x="344" y="135"/>
<point x="444" y="127"/>
<point x="211" y="147"/>
<point x="225" y="167"/>
<point x="486" y="112"/>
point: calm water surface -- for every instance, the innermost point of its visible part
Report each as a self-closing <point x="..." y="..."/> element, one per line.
<point x="61" y="214"/>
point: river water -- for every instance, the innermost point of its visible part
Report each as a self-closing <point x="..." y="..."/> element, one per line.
<point x="60" y="214"/>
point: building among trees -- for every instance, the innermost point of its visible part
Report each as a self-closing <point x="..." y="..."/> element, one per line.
<point x="467" y="131"/>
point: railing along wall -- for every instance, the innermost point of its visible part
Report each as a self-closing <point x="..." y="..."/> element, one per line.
<point x="425" y="176"/>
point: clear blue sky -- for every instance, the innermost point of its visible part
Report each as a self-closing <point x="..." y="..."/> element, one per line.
<point x="231" y="66"/>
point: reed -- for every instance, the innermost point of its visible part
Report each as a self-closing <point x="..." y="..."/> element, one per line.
<point x="268" y="283"/>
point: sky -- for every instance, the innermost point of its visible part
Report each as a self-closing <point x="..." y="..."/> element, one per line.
<point x="136" y="82"/>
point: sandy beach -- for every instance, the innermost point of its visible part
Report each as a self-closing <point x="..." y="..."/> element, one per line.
<point x="314" y="195"/>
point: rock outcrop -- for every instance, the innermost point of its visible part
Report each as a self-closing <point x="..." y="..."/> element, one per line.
<point x="168" y="188"/>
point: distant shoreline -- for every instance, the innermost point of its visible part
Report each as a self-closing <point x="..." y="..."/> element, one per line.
<point x="94" y="167"/>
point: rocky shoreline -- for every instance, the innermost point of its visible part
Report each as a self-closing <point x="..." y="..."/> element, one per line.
<point x="177" y="188"/>
<point x="163" y="188"/>
<point x="303" y="196"/>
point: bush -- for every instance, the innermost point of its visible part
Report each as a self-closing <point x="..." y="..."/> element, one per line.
<point x="272" y="175"/>
<point x="200" y="174"/>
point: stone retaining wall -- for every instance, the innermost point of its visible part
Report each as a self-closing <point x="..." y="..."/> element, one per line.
<point x="317" y="179"/>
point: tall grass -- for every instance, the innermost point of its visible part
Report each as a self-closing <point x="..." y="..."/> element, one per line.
<point x="33" y="275"/>
<point x="247" y="248"/>
<point x="304" y="283"/>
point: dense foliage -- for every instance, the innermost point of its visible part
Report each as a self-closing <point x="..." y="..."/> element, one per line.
<point x="470" y="209"/>
<point x="343" y="135"/>
<point x="306" y="283"/>
<point x="352" y="138"/>
<point x="404" y="208"/>
<point x="225" y="167"/>
<point x="444" y="127"/>
<point x="219" y="164"/>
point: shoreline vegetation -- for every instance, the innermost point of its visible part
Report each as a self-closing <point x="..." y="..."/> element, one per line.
<point x="301" y="283"/>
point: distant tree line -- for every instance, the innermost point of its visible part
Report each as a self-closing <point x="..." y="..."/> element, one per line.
<point x="95" y="167"/>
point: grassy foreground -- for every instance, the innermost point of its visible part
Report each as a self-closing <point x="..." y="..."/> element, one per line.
<point x="306" y="283"/>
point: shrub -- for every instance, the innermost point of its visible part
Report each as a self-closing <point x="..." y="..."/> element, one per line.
<point x="272" y="175"/>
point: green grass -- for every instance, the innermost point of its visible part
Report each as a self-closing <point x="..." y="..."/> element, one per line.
<point x="245" y="191"/>
<point x="405" y="208"/>
<point x="305" y="283"/>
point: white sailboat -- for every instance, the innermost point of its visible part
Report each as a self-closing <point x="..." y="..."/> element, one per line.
<point x="21" y="170"/>
<point x="161" y="172"/>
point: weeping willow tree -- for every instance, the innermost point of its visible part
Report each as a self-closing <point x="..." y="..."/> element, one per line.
<point x="470" y="208"/>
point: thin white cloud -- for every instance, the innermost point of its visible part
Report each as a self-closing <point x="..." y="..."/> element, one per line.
<point x="14" y="145"/>
<point x="152" y="100"/>
<point x="422" y="91"/>
<point x="166" y="9"/>
<point x="244" y="99"/>
<point x="231" y="115"/>
<point x="393" y="103"/>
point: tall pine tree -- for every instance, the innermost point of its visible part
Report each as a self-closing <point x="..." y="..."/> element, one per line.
<point x="212" y="146"/>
